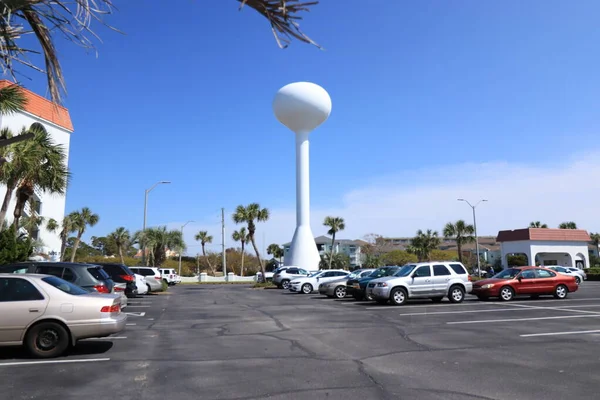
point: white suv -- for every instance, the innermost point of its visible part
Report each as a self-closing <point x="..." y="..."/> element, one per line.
<point x="169" y="276"/>
<point x="434" y="280"/>
<point x="308" y="284"/>
<point x="282" y="278"/>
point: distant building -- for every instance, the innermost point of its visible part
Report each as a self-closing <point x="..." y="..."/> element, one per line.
<point x="57" y="122"/>
<point x="352" y="248"/>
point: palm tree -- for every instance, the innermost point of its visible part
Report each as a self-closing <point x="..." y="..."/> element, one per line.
<point x="567" y="225"/>
<point x="537" y="224"/>
<point x="242" y="237"/>
<point x="122" y="239"/>
<point x="335" y="225"/>
<point x="461" y="232"/>
<point x="72" y="19"/>
<point x="67" y="227"/>
<point x="251" y="214"/>
<point x="157" y="241"/>
<point x="203" y="237"/>
<point x="422" y="244"/>
<point x="81" y="220"/>
<point x="275" y="250"/>
<point x="12" y="99"/>
<point x="31" y="224"/>
<point x="596" y="240"/>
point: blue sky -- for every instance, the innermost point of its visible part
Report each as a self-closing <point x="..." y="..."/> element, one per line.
<point x="419" y="88"/>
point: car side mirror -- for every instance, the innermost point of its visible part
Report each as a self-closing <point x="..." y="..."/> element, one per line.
<point x="519" y="278"/>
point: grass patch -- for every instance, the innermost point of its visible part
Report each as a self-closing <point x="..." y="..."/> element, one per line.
<point x="266" y="285"/>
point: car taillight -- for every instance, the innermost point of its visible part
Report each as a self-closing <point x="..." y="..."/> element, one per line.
<point x="101" y="289"/>
<point x="470" y="279"/>
<point x="128" y="278"/>
<point x="119" y="289"/>
<point x="111" y="309"/>
<point x="157" y="278"/>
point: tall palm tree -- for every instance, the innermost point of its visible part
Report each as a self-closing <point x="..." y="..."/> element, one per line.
<point x="241" y="236"/>
<point x="567" y="225"/>
<point x="537" y="224"/>
<point x="251" y="214"/>
<point x="12" y="99"/>
<point x="275" y="250"/>
<point x="423" y="243"/>
<point x="122" y="239"/>
<point x="596" y="240"/>
<point x="72" y="19"/>
<point x="81" y="220"/>
<point x="335" y="225"/>
<point x="67" y="226"/>
<point x="157" y="241"/>
<point x="461" y="232"/>
<point x="203" y="237"/>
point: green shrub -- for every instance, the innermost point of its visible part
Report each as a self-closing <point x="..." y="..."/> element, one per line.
<point x="13" y="248"/>
<point x="593" y="277"/>
<point x="266" y="285"/>
<point x="165" y="286"/>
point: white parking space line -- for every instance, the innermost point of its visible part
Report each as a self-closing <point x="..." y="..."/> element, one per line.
<point x="136" y="314"/>
<point x="560" y="333"/>
<point x="567" y="308"/>
<point x="464" y="312"/>
<point x="130" y="324"/>
<point x="487" y="321"/>
<point x="136" y="306"/>
<point x="433" y="305"/>
<point x="105" y="338"/>
<point x="12" y="364"/>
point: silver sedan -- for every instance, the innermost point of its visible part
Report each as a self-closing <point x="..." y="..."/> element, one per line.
<point x="337" y="288"/>
<point x="47" y="314"/>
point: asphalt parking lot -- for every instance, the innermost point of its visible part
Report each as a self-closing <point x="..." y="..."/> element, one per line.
<point x="234" y="342"/>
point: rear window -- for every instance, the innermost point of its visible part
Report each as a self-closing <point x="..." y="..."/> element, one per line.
<point x="14" y="269"/>
<point x="112" y="269"/>
<point x="459" y="269"/>
<point x="64" y="286"/>
<point x="146" y="272"/>
<point x="98" y="273"/>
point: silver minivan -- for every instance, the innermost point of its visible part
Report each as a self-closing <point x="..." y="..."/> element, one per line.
<point x="434" y="280"/>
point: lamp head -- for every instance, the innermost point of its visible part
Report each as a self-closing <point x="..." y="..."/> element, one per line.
<point x="302" y="106"/>
<point x="164" y="182"/>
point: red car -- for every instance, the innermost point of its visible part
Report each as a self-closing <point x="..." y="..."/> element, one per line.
<point x="533" y="281"/>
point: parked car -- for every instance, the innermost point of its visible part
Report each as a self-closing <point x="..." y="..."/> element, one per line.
<point x="434" y="280"/>
<point x="337" y="288"/>
<point x="152" y="275"/>
<point x="283" y="277"/>
<point x="47" y="314"/>
<point x="169" y="276"/>
<point x="579" y="272"/>
<point x="357" y="287"/>
<point x="532" y="281"/>
<point x="142" y="286"/>
<point x="567" y="271"/>
<point x="119" y="289"/>
<point x="310" y="283"/>
<point x="121" y="274"/>
<point x="91" y="277"/>
<point x="268" y="274"/>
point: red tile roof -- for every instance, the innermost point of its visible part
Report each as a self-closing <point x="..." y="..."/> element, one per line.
<point x="44" y="108"/>
<point x="547" y="234"/>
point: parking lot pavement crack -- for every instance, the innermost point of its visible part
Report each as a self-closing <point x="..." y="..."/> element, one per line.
<point x="451" y="393"/>
<point x="295" y="391"/>
<point x="380" y="388"/>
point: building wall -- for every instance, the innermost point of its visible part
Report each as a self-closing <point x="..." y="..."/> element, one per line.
<point x="351" y="250"/>
<point x="566" y="253"/>
<point x="52" y="206"/>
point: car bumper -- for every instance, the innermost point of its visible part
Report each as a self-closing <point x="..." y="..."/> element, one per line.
<point x="380" y="293"/>
<point x="101" y="328"/>
<point x="295" y="288"/>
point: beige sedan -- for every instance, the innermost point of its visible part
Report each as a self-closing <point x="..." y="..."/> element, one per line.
<point x="47" y="314"/>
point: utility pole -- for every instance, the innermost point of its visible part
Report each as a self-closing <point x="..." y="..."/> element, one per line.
<point x="475" y="229"/>
<point x="223" y="242"/>
<point x="143" y="244"/>
<point x="181" y="249"/>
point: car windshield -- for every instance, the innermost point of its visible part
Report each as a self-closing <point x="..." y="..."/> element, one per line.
<point x="64" y="286"/>
<point x="378" y="273"/>
<point x="391" y="271"/>
<point x="405" y="270"/>
<point x="314" y="274"/>
<point x="507" y="273"/>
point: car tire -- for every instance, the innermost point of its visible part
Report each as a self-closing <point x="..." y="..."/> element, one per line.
<point x="561" y="292"/>
<point x="456" y="294"/>
<point x="47" y="340"/>
<point x="368" y="297"/>
<point x="285" y="284"/>
<point x="506" y="293"/>
<point x="398" y="296"/>
<point x="340" y="292"/>
<point x="306" y="288"/>
<point x="149" y="289"/>
<point x="437" y="299"/>
<point x="577" y="280"/>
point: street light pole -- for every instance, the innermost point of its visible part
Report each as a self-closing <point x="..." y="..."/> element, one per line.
<point x="475" y="228"/>
<point x="143" y="246"/>
<point x="181" y="249"/>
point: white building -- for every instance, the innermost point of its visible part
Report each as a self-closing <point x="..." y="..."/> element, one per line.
<point x="566" y="247"/>
<point x="352" y="248"/>
<point x="57" y="122"/>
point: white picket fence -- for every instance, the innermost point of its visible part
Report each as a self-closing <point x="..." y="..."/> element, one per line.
<point x="231" y="277"/>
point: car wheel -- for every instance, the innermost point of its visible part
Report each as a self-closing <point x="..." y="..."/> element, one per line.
<point x="437" y="299"/>
<point x="340" y="292"/>
<point x="398" y="296"/>
<point x="561" y="292"/>
<point x="577" y="280"/>
<point x="456" y="294"/>
<point x="47" y="339"/>
<point x="368" y="296"/>
<point x="285" y="284"/>
<point x="507" y="293"/>
<point x="149" y="289"/>
<point x="307" y="288"/>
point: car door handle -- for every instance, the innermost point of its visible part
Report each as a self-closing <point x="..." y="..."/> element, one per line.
<point x="34" y="310"/>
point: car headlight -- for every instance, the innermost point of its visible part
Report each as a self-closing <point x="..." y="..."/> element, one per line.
<point x="382" y="284"/>
<point x="488" y="286"/>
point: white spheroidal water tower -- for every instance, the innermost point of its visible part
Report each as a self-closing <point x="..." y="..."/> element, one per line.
<point x="302" y="106"/>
